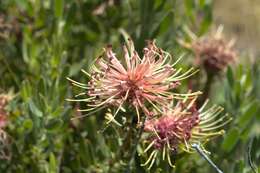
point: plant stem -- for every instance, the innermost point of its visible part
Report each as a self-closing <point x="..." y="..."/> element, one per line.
<point x="251" y="164"/>
<point x="201" y="152"/>
<point x="207" y="87"/>
<point x="134" y="147"/>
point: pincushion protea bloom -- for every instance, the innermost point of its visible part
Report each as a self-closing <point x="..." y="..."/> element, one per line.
<point x="4" y="141"/>
<point x="176" y="129"/>
<point x="212" y="51"/>
<point x="140" y="82"/>
<point x="4" y="99"/>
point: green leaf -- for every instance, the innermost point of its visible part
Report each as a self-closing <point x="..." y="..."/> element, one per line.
<point x="86" y="153"/>
<point x="28" y="124"/>
<point x="230" y="140"/>
<point x="230" y="76"/>
<point x="58" y="11"/>
<point x="54" y="125"/>
<point x="189" y="9"/>
<point x="26" y="91"/>
<point x="53" y="164"/>
<point x="162" y="24"/>
<point x="248" y="115"/>
<point x="202" y="3"/>
<point x="239" y="166"/>
<point x="207" y="20"/>
<point x="75" y="68"/>
<point x="34" y="109"/>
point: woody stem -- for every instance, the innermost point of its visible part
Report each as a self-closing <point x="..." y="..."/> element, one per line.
<point x="207" y="88"/>
<point x="134" y="146"/>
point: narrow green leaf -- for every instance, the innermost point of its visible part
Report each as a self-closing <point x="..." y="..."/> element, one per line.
<point x="34" y="109"/>
<point x="26" y="90"/>
<point x="162" y="25"/>
<point x="248" y="115"/>
<point x="230" y="76"/>
<point x="53" y="164"/>
<point x="239" y="166"/>
<point x="230" y="140"/>
<point x="58" y="11"/>
<point x="189" y="9"/>
<point x="54" y="125"/>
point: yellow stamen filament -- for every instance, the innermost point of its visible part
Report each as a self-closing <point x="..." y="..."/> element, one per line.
<point x="154" y="157"/>
<point x="73" y="81"/>
<point x="89" y="75"/>
<point x="210" y="116"/>
<point x="113" y="118"/>
<point x="187" y="151"/>
<point x="208" y="113"/>
<point x="174" y="78"/>
<point x="176" y="62"/>
<point x="80" y="94"/>
<point x="100" y="104"/>
<point x="156" y="133"/>
<point x="138" y="114"/>
<point x="207" y="124"/>
<point x="164" y="150"/>
<point x="204" y="105"/>
<point x="81" y="100"/>
<point x="204" y="129"/>
<point x="199" y="134"/>
<point x="156" y="107"/>
<point x="191" y="103"/>
<point x="186" y="145"/>
<point x="149" y="159"/>
<point x="85" y="115"/>
<point x="149" y="146"/>
<point x="169" y="159"/>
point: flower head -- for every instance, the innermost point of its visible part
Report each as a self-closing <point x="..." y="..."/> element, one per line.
<point x="214" y="52"/>
<point x="176" y="129"/>
<point x="4" y="99"/>
<point x="140" y="82"/>
<point x="4" y="140"/>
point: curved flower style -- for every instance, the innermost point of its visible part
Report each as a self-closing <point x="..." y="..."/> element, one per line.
<point x="181" y="126"/>
<point x="140" y="82"/>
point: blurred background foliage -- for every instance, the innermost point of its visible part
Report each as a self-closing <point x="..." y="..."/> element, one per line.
<point x="43" y="42"/>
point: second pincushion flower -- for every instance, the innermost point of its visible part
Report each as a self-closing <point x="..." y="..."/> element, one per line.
<point x="180" y="126"/>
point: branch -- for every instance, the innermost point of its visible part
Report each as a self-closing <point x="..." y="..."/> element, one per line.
<point x="202" y="153"/>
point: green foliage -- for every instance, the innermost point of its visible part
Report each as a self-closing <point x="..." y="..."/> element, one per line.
<point x="50" y="40"/>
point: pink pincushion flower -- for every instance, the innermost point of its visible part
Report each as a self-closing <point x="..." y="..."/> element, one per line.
<point x="173" y="128"/>
<point x="4" y="140"/>
<point x="176" y="129"/>
<point x="140" y="82"/>
<point x="4" y="99"/>
<point x="212" y="51"/>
